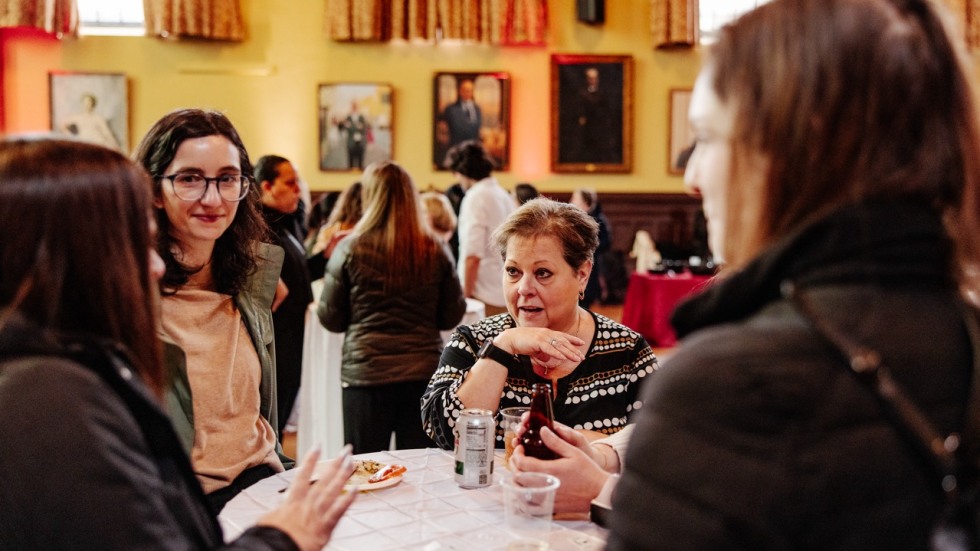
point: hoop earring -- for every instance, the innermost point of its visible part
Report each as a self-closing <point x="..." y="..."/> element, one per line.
<point x="581" y="295"/>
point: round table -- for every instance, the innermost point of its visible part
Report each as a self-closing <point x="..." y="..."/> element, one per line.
<point x="425" y="511"/>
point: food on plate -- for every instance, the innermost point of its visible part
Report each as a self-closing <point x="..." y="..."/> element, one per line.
<point x="368" y="473"/>
<point x="389" y="471"/>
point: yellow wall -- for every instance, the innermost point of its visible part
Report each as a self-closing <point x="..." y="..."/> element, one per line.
<point x="268" y="87"/>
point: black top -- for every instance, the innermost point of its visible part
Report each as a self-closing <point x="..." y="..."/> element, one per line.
<point x="90" y="460"/>
<point x="755" y="435"/>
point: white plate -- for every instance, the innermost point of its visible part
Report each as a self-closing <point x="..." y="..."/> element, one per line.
<point x="361" y="484"/>
<point x="365" y="487"/>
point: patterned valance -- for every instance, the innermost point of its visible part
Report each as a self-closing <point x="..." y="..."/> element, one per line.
<point x="205" y="19"/>
<point x="499" y="22"/>
<point x="58" y="17"/>
<point x="674" y="23"/>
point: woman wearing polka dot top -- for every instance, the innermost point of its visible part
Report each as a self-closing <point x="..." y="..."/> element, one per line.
<point x="594" y="365"/>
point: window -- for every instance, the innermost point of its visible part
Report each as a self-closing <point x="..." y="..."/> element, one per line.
<point x="111" y="17"/>
<point x="715" y="14"/>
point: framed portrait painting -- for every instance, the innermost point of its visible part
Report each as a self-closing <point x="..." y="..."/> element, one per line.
<point x="92" y="107"/>
<point x="355" y="125"/>
<point x="681" y="137"/>
<point x="591" y="113"/>
<point x="471" y="106"/>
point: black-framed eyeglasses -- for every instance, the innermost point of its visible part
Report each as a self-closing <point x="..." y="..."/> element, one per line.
<point x="193" y="187"/>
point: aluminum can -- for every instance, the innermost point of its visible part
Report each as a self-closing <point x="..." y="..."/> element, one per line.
<point x="475" y="432"/>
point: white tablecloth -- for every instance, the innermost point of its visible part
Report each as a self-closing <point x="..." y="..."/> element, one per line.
<point x="321" y="419"/>
<point x="426" y="511"/>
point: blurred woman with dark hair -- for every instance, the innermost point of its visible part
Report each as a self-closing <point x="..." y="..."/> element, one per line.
<point x="218" y="289"/>
<point x="91" y="459"/>
<point x="391" y="287"/>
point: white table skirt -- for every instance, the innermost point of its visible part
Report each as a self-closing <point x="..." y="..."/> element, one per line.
<point x="321" y="420"/>
<point x="426" y="511"/>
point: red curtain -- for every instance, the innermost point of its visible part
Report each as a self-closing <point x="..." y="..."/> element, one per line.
<point x="58" y="17"/>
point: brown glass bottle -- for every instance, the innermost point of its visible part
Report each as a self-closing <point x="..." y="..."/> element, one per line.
<point x="540" y="416"/>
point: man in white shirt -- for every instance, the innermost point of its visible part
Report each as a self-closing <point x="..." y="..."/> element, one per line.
<point x="485" y="206"/>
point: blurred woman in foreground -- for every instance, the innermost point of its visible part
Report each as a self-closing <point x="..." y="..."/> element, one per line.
<point x="91" y="458"/>
<point x="838" y="158"/>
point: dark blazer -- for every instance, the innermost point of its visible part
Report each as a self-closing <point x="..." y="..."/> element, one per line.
<point x="289" y="320"/>
<point x="461" y="127"/>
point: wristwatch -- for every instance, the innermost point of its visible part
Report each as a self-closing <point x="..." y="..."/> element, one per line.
<point x="497" y="354"/>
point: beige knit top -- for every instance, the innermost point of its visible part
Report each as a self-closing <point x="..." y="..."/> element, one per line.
<point x="230" y="435"/>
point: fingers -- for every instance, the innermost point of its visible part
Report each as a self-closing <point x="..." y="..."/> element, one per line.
<point x="304" y="472"/>
<point x="565" y="346"/>
<point x="331" y="481"/>
<point x="570" y="435"/>
<point x="556" y="444"/>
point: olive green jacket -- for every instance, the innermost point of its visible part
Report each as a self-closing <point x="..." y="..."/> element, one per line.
<point x="255" y="304"/>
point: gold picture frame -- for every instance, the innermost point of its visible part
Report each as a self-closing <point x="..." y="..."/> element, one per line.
<point x="591" y="113"/>
<point x="487" y="120"/>
<point x="356" y="124"/>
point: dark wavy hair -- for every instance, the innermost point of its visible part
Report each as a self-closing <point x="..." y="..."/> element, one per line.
<point x="470" y="159"/>
<point x="267" y="168"/>
<point x="74" y="253"/>
<point x="234" y="257"/>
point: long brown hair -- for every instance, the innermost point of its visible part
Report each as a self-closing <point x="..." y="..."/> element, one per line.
<point x="234" y="257"/>
<point x="74" y="253"/>
<point x="849" y="100"/>
<point x="392" y="212"/>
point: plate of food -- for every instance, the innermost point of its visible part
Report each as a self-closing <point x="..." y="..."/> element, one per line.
<point x="373" y="475"/>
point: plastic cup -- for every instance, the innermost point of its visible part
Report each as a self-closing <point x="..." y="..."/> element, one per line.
<point x="529" y="502"/>
<point x="510" y="419"/>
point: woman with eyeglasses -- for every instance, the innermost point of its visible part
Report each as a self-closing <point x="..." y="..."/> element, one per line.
<point x="218" y="289"/>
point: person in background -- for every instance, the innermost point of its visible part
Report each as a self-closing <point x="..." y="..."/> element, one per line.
<point x="832" y="200"/>
<point x="93" y="460"/>
<point x="218" y="288"/>
<point x="357" y="129"/>
<point x="439" y="215"/>
<point x="587" y="200"/>
<point x="594" y="365"/>
<point x="89" y="125"/>
<point x="485" y="206"/>
<point x="279" y="185"/>
<point x="391" y="287"/>
<point x="318" y="218"/>
<point x="524" y="192"/>
<point x="344" y="216"/>
<point x="455" y="195"/>
<point x="463" y="117"/>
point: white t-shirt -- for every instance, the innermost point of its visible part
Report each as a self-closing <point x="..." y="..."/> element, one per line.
<point x="485" y="206"/>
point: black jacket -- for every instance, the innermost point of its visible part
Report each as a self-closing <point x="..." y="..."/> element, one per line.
<point x="755" y="434"/>
<point x="89" y="460"/>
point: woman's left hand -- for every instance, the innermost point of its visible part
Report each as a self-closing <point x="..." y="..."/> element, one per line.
<point x="553" y="354"/>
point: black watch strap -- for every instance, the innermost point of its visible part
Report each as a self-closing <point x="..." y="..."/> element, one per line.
<point x="497" y="354"/>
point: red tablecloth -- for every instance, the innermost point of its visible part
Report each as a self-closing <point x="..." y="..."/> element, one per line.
<point x="651" y="298"/>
